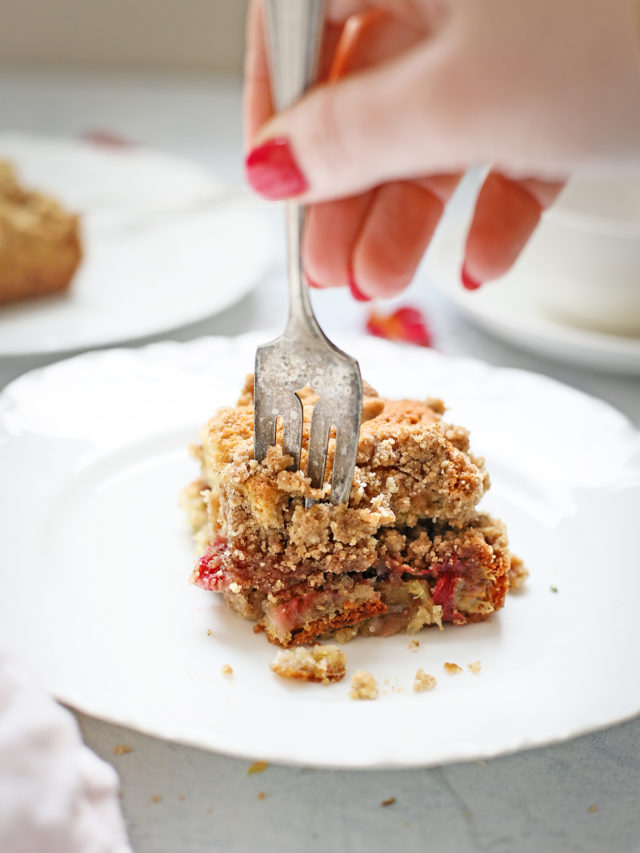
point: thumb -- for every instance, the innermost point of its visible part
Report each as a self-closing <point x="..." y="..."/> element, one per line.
<point x="382" y="124"/>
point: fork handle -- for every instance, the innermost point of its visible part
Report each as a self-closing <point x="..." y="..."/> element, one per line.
<point x="294" y="34"/>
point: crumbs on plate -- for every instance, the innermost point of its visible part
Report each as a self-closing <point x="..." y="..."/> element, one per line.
<point x="363" y="686"/>
<point x="322" y="664"/>
<point x="423" y="681"/>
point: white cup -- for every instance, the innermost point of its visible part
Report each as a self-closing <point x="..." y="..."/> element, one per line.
<point x="583" y="263"/>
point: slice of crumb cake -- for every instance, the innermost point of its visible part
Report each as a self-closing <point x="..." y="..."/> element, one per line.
<point x="40" y="247"/>
<point x="409" y="550"/>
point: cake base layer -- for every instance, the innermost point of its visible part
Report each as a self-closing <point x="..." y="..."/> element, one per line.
<point x="439" y="575"/>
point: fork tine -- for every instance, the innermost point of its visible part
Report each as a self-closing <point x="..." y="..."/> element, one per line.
<point x="318" y="441"/>
<point x="264" y="424"/>
<point x="292" y="427"/>
<point x="344" y="461"/>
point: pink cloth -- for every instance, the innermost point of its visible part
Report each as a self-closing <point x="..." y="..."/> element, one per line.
<point x="56" y="796"/>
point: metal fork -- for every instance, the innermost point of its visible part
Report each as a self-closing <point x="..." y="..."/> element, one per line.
<point x="303" y="355"/>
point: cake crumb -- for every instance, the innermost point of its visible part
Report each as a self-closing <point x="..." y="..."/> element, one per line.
<point x="262" y="795"/>
<point x="209" y="632"/>
<point x="593" y="808"/>
<point x="414" y="645"/>
<point x="518" y="574"/>
<point x="423" y="681"/>
<point x="227" y="670"/>
<point x="322" y="664"/>
<point x="436" y="404"/>
<point x="363" y="686"/>
<point x="156" y="798"/>
<point x="122" y="749"/>
<point x="388" y="802"/>
<point x="474" y="667"/>
<point x="452" y="668"/>
<point x="257" y="767"/>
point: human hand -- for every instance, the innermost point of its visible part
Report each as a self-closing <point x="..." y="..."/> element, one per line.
<point x="427" y="89"/>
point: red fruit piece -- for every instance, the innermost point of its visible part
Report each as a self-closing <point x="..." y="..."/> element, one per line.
<point x="208" y="573"/>
<point x="444" y="594"/>
<point x="289" y="614"/>
<point x="375" y="327"/>
<point x="404" y="324"/>
<point x="408" y="315"/>
<point x="107" y="139"/>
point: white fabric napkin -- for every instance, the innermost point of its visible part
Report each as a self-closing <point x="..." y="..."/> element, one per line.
<point x="56" y="796"/>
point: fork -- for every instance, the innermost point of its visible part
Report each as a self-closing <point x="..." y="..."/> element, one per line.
<point x="303" y="355"/>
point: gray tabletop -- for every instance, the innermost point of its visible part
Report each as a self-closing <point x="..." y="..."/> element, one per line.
<point x="583" y="795"/>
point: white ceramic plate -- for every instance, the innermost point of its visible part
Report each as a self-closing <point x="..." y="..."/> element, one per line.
<point x="95" y="557"/>
<point x="511" y="310"/>
<point x="165" y="245"/>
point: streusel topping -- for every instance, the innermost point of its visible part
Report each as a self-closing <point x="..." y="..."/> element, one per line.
<point x="410" y="465"/>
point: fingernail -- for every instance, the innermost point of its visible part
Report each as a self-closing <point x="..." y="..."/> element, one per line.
<point x="356" y="292"/>
<point x="469" y="282"/>
<point x="313" y="284"/>
<point x="272" y="170"/>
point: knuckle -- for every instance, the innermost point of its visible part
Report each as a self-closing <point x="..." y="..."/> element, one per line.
<point x="331" y="134"/>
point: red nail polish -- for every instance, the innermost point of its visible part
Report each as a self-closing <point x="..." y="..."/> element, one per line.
<point x="356" y="292"/>
<point x="469" y="282"/>
<point x="272" y="170"/>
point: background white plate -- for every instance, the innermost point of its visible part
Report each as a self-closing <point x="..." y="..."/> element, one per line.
<point x="95" y="557"/>
<point x="511" y="310"/>
<point x="165" y="245"/>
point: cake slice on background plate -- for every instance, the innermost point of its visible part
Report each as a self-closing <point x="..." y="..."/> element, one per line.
<point x="40" y="248"/>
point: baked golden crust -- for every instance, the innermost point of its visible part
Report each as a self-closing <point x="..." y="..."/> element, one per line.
<point x="40" y="246"/>
<point x="409" y="550"/>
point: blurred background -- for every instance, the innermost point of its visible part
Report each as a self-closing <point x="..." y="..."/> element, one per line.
<point x="168" y="76"/>
<point x="191" y="34"/>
